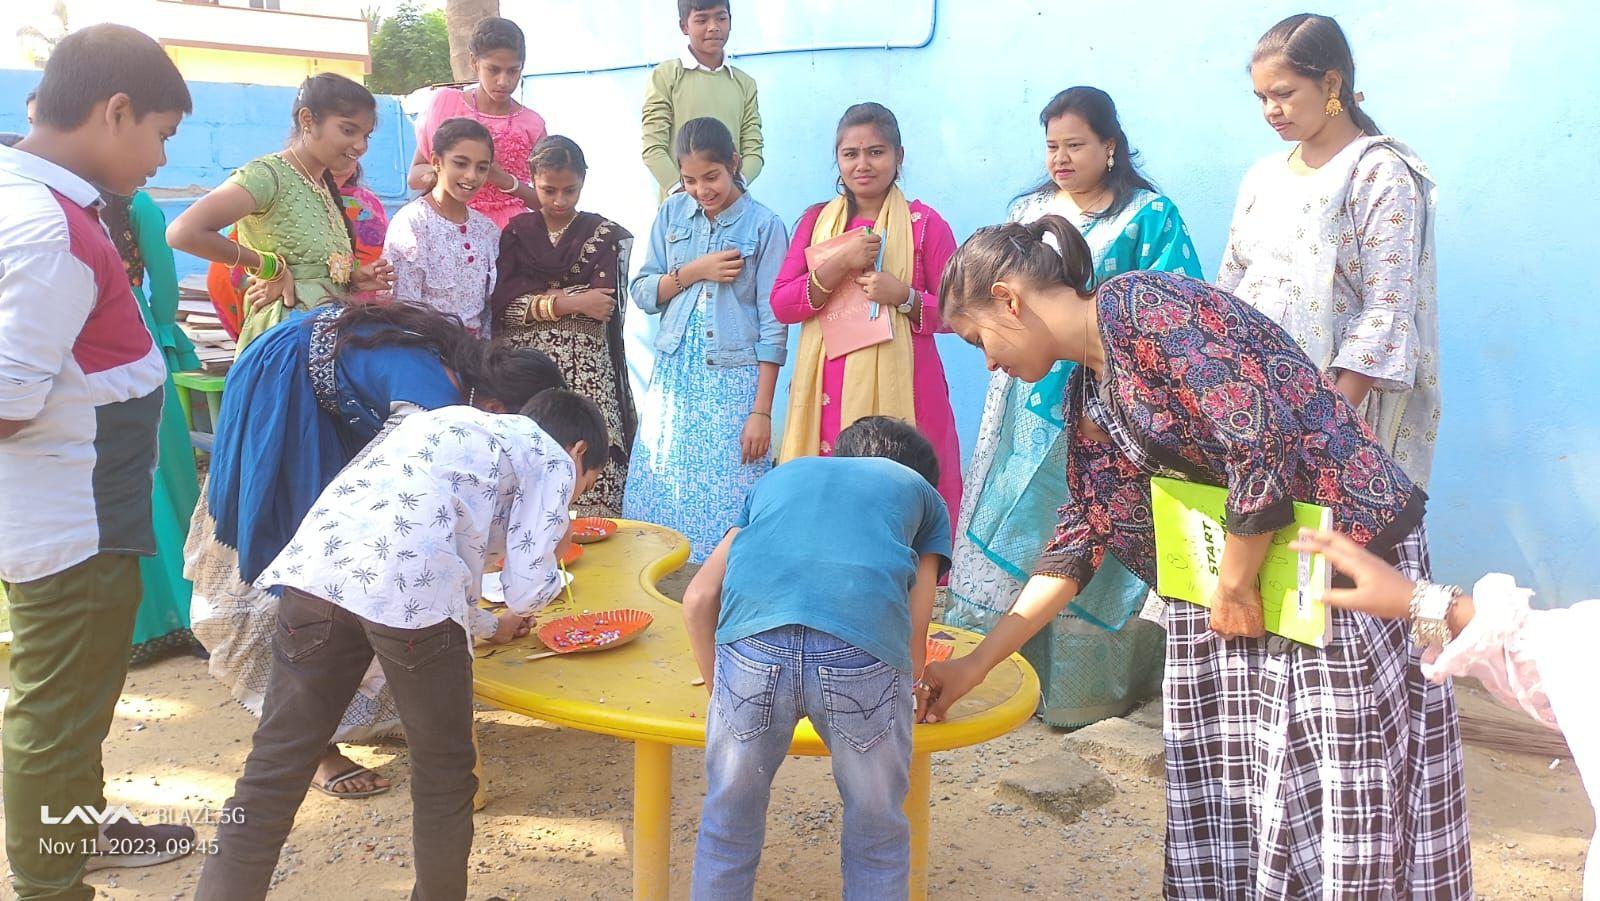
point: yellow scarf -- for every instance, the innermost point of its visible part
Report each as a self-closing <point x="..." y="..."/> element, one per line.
<point x="877" y="379"/>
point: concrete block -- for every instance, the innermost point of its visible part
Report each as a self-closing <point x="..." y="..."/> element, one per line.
<point x="1061" y="785"/>
<point x="1122" y="747"/>
<point x="1147" y="714"/>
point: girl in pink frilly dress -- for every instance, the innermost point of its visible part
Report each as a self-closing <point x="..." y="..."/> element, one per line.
<point x="498" y="52"/>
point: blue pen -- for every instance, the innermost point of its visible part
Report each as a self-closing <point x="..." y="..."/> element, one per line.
<point x="876" y="308"/>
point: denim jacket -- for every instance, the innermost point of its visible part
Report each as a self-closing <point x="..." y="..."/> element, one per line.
<point x="743" y="330"/>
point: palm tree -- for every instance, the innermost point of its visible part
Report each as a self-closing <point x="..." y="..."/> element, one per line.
<point x="45" y="43"/>
<point x="462" y="16"/>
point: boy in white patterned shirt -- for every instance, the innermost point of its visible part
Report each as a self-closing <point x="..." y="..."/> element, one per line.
<point x="389" y="562"/>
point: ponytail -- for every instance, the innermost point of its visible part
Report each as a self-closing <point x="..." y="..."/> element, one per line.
<point x="1049" y="251"/>
<point x="332" y="184"/>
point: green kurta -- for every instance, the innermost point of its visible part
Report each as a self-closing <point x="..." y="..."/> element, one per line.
<point x="163" y="620"/>
<point x="291" y="219"/>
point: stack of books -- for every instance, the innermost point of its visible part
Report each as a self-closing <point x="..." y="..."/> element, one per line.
<point x="199" y="320"/>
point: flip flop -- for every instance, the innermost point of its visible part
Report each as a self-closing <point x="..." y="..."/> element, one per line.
<point x="326" y="786"/>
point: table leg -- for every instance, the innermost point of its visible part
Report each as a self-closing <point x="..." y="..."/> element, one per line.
<point x="652" y="820"/>
<point x="480" y="800"/>
<point x="919" y="812"/>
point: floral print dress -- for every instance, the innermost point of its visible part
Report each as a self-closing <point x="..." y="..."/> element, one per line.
<point x="1291" y="771"/>
<point x="447" y="266"/>
<point x="1342" y="257"/>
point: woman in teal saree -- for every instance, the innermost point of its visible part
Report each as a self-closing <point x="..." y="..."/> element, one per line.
<point x="1096" y="660"/>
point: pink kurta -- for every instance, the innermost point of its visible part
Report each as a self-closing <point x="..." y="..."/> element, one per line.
<point x="515" y="136"/>
<point x="935" y="244"/>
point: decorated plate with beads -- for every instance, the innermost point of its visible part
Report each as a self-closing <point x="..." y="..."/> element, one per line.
<point x="592" y="529"/>
<point x="594" y="631"/>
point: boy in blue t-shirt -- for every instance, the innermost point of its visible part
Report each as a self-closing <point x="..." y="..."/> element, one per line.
<point x="817" y="604"/>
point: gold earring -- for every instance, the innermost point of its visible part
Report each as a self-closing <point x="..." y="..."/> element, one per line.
<point x="1334" y="109"/>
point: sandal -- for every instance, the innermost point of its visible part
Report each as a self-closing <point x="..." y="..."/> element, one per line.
<point x="327" y="785"/>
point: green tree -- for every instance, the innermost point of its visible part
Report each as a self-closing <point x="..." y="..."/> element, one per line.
<point x="410" y="50"/>
<point x="40" y="45"/>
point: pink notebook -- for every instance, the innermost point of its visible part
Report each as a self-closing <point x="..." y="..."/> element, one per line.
<point x="846" y="319"/>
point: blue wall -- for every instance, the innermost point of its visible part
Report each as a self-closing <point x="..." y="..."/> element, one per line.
<point x="231" y="125"/>
<point x="1504" y="103"/>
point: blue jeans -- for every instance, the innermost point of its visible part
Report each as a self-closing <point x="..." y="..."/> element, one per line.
<point x="862" y="708"/>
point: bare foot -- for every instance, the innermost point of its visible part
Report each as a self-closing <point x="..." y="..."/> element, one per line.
<point x="334" y="764"/>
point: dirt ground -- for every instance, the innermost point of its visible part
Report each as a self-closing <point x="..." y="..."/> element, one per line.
<point x="558" y="822"/>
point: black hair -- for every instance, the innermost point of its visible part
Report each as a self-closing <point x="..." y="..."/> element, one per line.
<point x="453" y="131"/>
<point x="1313" y="46"/>
<point x="497" y="371"/>
<point x="327" y="94"/>
<point x="495" y="33"/>
<point x="1097" y="110"/>
<point x="558" y="153"/>
<point x="94" y="64"/>
<point x="1015" y="250"/>
<point x="878" y="116"/>
<point x="893" y="439"/>
<point x="116" y="211"/>
<point x="710" y="138"/>
<point x="569" y="417"/>
<point x="685" y="7"/>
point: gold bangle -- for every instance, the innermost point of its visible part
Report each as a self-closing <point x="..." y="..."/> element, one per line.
<point x="550" y="308"/>
<point x="543" y="302"/>
<point x="818" y="282"/>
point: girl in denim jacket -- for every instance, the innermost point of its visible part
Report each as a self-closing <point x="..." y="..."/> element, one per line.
<point x="705" y="426"/>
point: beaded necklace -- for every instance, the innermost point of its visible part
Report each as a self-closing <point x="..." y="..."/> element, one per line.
<point x="341" y="265"/>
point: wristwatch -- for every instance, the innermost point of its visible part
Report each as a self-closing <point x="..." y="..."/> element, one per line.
<point x="1430" y="612"/>
<point x="911" y="302"/>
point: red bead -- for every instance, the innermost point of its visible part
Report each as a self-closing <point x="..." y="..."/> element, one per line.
<point x="467" y="245"/>
<point x="470" y="259"/>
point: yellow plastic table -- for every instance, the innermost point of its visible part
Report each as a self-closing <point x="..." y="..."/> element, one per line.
<point x="644" y="692"/>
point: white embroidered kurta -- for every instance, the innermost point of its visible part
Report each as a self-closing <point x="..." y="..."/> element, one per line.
<point x="1342" y="258"/>
<point x="445" y="265"/>
<point x="404" y="533"/>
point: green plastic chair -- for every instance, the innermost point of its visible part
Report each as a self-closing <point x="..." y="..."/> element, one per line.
<point x="209" y="385"/>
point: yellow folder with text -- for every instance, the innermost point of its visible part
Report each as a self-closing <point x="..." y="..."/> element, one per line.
<point x="1190" y="524"/>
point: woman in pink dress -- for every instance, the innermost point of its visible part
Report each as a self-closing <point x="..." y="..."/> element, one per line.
<point x="895" y="250"/>
<point x="498" y="52"/>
